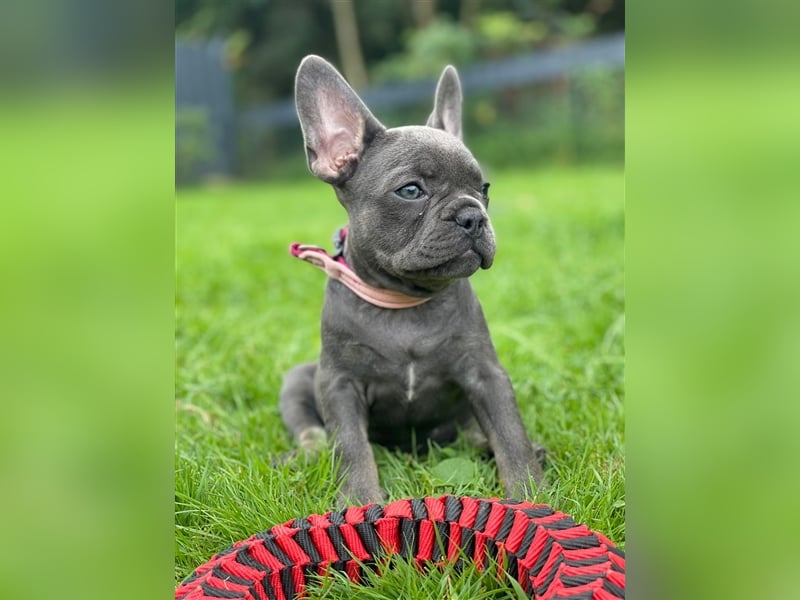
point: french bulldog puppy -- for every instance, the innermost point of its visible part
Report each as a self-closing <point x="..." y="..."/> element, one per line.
<point x="418" y="228"/>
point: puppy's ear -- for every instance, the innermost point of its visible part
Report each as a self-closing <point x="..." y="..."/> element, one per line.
<point x="336" y="124"/>
<point x="447" y="105"/>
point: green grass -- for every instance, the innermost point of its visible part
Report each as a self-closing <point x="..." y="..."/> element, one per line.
<point x="247" y="312"/>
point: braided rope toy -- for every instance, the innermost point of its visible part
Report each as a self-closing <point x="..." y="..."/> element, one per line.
<point x="550" y="555"/>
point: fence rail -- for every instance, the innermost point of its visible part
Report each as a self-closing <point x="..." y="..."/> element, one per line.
<point x="202" y="81"/>
<point x="516" y="71"/>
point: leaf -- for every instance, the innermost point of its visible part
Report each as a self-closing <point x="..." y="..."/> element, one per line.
<point x="456" y="471"/>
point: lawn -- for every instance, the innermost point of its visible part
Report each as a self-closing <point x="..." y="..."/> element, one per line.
<point x="246" y="312"/>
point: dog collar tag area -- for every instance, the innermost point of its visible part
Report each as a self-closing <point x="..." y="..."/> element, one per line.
<point x="336" y="268"/>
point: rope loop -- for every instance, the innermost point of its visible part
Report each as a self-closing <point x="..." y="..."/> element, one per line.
<point x="546" y="551"/>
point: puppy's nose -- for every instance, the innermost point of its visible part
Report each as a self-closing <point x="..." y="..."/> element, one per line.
<point x="471" y="220"/>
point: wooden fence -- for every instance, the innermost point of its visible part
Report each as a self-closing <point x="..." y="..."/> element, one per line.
<point x="204" y="87"/>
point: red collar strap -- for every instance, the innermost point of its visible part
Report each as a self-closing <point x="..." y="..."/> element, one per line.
<point x="337" y="268"/>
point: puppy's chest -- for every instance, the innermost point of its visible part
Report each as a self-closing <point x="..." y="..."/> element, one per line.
<point x="406" y="383"/>
<point x="399" y="359"/>
<point x="403" y="372"/>
<point x="411" y="394"/>
<point x="410" y="365"/>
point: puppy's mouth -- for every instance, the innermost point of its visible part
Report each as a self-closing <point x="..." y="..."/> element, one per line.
<point x="487" y="257"/>
<point x="456" y="262"/>
<point x="462" y="265"/>
<point x="484" y="257"/>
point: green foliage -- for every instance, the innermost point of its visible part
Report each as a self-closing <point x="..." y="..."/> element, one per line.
<point x="576" y="26"/>
<point x="440" y="43"/>
<point x="495" y="34"/>
<point x="266" y="40"/>
<point x="577" y="119"/>
<point x="246" y="312"/>
<point x="502" y="32"/>
<point x="193" y="143"/>
<point x="456" y="471"/>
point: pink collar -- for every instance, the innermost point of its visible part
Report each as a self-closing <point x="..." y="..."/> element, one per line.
<point x="336" y="268"/>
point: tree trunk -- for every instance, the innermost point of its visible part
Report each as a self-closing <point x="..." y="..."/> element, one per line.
<point x="468" y="11"/>
<point x="347" y="40"/>
<point x="424" y="11"/>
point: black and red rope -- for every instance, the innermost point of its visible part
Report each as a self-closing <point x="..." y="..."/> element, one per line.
<point x="546" y="551"/>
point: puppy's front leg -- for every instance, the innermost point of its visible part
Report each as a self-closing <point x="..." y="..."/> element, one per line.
<point x="491" y="397"/>
<point x="344" y="411"/>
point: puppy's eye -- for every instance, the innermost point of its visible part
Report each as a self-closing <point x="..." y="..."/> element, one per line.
<point x="485" y="192"/>
<point x="410" y="191"/>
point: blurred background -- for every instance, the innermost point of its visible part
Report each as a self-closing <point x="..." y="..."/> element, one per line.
<point x="543" y="79"/>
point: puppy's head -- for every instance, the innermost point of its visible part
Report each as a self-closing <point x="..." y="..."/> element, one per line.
<point x="415" y="196"/>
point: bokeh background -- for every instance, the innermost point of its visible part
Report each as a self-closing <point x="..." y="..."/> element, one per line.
<point x="87" y="116"/>
<point x="544" y="113"/>
<point x="543" y="79"/>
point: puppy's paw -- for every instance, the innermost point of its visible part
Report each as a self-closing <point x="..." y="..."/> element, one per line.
<point x="363" y="497"/>
<point x="312" y="440"/>
<point x="540" y="454"/>
<point x="476" y="438"/>
<point x="361" y="488"/>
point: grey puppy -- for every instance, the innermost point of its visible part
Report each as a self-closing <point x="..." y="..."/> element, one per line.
<point x="416" y="202"/>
